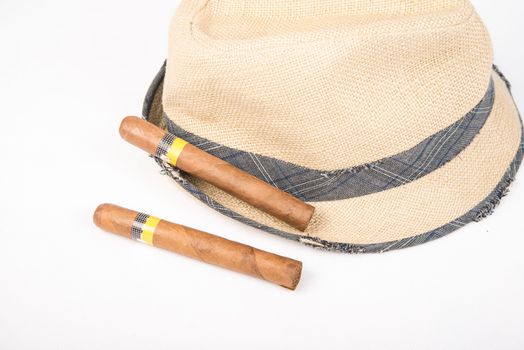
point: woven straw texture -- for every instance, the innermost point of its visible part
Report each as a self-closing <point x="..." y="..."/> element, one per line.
<point x="423" y="205"/>
<point x="325" y="97"/>
<point x="345" y="87"/>
<point x="347" y="239"/>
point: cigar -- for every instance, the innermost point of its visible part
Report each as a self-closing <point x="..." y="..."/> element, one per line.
<point x="199" y="245"/>
<point x="217" y="172"/>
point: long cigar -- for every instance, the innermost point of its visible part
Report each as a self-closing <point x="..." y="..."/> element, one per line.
<point x="217" y="172"/>
<point x="199" y="245"/>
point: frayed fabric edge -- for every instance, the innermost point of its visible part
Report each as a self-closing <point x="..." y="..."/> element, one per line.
<point x="481" y="211"/>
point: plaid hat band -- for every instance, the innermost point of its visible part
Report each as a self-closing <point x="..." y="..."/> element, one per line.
<point x="388" y="116"/>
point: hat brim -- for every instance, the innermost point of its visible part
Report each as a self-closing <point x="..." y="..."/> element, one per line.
<point x="465" y="189"/>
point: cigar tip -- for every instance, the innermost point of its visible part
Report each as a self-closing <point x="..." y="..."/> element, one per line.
<point x="306" y="215"/>
<point x="100" y="211"/>
<point x="297" y="273"/>
<point x="123" y="130"/>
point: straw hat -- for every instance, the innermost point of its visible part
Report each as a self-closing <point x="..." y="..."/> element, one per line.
<point x="387" y="115"/>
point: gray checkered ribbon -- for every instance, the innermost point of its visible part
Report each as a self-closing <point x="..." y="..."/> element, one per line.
<point x="483" y="208"/>
<point x="312" y="185"/>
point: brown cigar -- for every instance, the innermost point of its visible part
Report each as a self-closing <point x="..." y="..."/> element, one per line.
<point x="199" y="245"/>
<point x="217" y="172"/>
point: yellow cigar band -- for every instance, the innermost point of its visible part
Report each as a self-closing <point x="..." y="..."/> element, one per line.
<point x="169" y="148"/>
<point x="144" y="227"/>
<point x="175" y="150"/>
<point x="148" y="230"/>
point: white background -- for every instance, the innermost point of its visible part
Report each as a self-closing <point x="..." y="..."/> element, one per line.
<point x="69" y="71"/>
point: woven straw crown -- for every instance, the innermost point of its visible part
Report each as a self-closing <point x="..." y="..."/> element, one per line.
<point x="363" y="82"/>
<point x="361" y="106"/>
